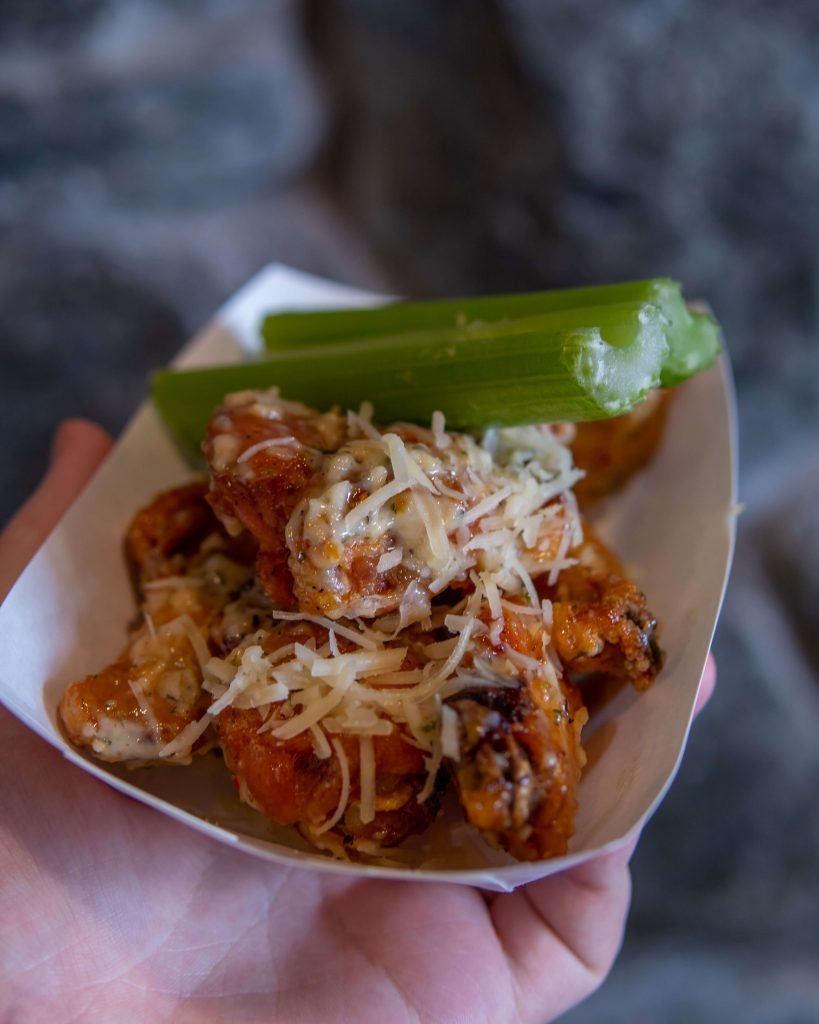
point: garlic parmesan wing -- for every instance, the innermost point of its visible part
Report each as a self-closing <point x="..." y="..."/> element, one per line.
<point x="520" y="757"/>
<point x="389" y="521"/>
<point x="323" y="753"/>
<point x="262" y="451"/>
<point x="611" y="451"/>
<point x="602" y="622"/>
<point x="149" y="705"/>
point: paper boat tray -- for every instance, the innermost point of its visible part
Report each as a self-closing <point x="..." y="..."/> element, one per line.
<point x="673" y="526"/>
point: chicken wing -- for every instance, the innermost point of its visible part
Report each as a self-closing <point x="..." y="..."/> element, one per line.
<point x="262" y="451"/>
<point x="611" y="451"/>
<point x="294" y="781"/>
<point x="520" y="754"/>
<point x="601" y="620"/>
<point x="189" y="573"/>
<point x="357" y="523"/>
<point x="392" y="520"/>
<point x="289" y="783"/>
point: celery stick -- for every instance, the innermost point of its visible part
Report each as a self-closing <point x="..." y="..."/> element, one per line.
<point x="694" y="344"/>
<point x="284" y="330"/>
<point x="693" y="338"/>
<point x="573" y="364"/>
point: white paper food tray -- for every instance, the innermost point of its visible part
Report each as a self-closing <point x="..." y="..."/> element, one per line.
<point x="673" y="525"/>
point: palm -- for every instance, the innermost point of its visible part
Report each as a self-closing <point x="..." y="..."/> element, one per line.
<point x="121" y="908"/>
<point x="109" y="911"/>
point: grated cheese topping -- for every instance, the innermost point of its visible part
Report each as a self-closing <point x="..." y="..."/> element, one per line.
<point x="427" y="509"/>
<point x="430" y="507"/>
<point x="350" y="681"/>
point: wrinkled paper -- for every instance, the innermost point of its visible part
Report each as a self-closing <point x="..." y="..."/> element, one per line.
<point x="673" y="525"/>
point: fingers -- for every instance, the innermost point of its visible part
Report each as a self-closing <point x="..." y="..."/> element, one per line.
<point x="80" y="445"/>
<point x="78" y="449"/>
<point x="561" y="934"/>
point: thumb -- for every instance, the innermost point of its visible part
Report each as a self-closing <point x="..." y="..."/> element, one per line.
<point x="77" y="450"/>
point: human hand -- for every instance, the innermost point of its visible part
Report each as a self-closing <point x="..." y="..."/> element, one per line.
<point x="109" y="911"/>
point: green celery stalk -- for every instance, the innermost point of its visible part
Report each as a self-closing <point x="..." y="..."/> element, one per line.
<point x="693" y="338"/>
<point x="566" y="365"/>
<point x="694" y="342"/>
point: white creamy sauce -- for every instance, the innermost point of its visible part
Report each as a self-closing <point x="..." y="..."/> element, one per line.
<point x="502" y="507"/>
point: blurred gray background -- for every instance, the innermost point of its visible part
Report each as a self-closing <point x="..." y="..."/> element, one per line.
<point x="154" y="154"/>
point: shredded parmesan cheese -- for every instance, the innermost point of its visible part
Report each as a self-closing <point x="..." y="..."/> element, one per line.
<point x="270" y="442"/>
<point x="183" y="742"/>
<point x="344" y="796"/>
<point x="321" y="745"/>
<point x="492" y="595"/>
<point x="172" y="583"/>
<point x="360" y="512"/>
<point x="390" y="560"/>
<point x="310" y="716"/>
<point x="459" y="528"/>
<point x="357" y="636"/>
<point x="433" y="763"/>
<point x="442" y="439"/>
<point x="490" y="502"/>
<point x="450" y="742"/>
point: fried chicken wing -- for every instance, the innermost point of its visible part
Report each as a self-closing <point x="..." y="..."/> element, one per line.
<point x="601" y="620"/>
<point x="176" y="532"/>
<point x="262" y="452"/>
<point x="394" y="519"/>
<point x="289" y="783"/>
<point x="295" y="782"/>
<point x="519" y="771"/>
<point x="520" y="754"/>
<point x="357" y="543"/>
<point x="354" y="522"/>
<point x="131" y="710"/>
<point x="187" y="571"/>
<point x="611" y="451"/>
<point x="162" y="536"/>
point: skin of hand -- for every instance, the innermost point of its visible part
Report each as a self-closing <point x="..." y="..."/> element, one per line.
<point x="109" y="911"/>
